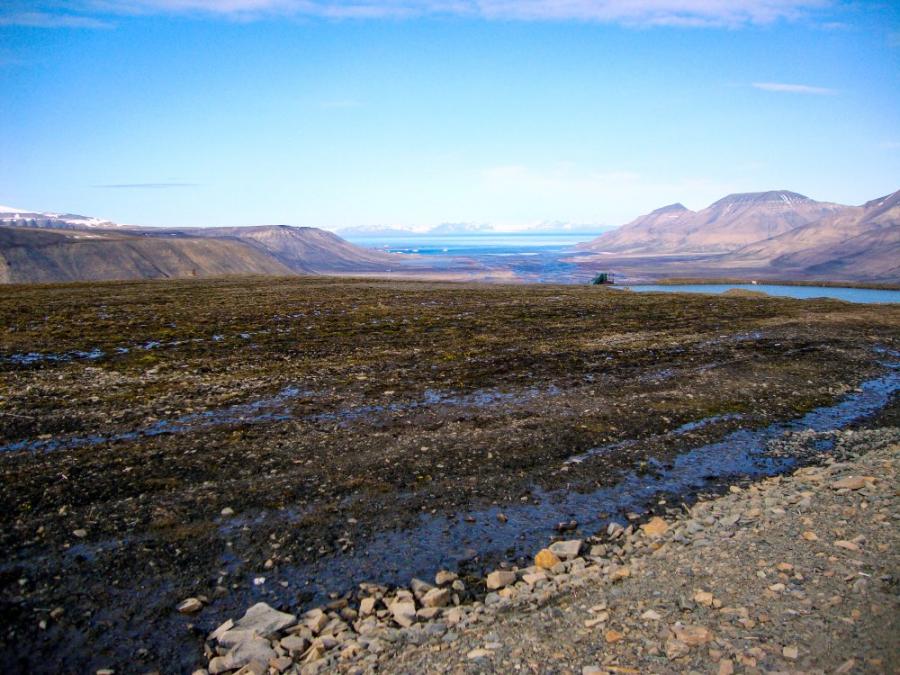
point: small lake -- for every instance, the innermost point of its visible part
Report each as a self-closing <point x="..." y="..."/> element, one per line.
<point x="802" y="292"/>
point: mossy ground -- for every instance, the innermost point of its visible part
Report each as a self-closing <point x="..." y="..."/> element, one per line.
<point x="411" y="398"/>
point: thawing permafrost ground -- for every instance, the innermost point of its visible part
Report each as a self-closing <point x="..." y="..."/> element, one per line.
<point x="370" y="430"/>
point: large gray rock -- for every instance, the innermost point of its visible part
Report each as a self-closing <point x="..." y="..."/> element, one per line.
<point x="404" y="612"/>
<point x="264" y="620"/>
<point x="566" y="550"/>
<point x="252" y="649"/>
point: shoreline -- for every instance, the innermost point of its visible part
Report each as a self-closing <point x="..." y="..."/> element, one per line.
<point x="695" y="281"/>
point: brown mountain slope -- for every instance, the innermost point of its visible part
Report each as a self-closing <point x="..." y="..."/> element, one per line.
<point x="826" y="232"/>
<point x="652" y="230"/>
<point x="726" y="225"/>
<point x="305" y="249"/>
<point x="872" y="255"/>
<point x="43" y="255"/>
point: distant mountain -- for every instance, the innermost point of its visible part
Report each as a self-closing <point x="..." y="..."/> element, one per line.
<point x="61" y="221"/>
<point x="761" y="235"/>
<point x="30" y="255"/>
<point x="856" y="241"/>
<point x="653" y="230"/>
<point x="466" y="229"/>
<point x="726" y="225"/>
<point x="42" y="247"/>
<point x="377" y="231"/>
<point x="304" y="249"/>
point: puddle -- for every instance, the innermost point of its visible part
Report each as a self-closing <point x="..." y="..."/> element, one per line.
<point x="435" y="541"/>
<point x="31" y="358"/>
<point x="279" y="409"/>
<point x="447" y="542"/>
<point x="612" y="448"/>
<point x="34" y="358"/>
<point x="274" y="409"/>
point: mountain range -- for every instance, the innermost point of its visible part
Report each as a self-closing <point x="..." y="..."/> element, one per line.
<point x="728" y="224"/>
<point x="765" y="234"/>
<point x="49" y="247"/>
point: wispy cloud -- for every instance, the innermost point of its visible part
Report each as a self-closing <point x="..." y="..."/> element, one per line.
<point x="51" y="20"/>
<point x="145" y="186"/>
<point x="784" y="88"/>
<point x="713" y="13"/>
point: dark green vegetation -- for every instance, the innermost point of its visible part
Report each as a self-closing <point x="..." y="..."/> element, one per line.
<point x="339" y="410"/>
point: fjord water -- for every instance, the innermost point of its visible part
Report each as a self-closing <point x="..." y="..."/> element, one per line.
<point x="532" y="257"/>
<point x="543" y="258"/>
<point x="868" y="295"/>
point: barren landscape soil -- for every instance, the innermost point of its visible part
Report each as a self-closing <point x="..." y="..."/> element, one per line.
<point x="160" y="440"/>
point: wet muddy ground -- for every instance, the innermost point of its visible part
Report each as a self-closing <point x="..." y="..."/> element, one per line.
<point x="364" y="430"/>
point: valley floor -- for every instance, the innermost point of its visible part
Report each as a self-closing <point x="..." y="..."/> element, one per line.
<point x="284" y="439"/>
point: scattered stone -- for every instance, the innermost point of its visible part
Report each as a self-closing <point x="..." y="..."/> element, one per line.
<point x="566" y="550"/>
<point x="655" y="527"/>
<point x="534" y="578"/>
<point x="444" y="578"/>
<point x="675" y="649"/>
<point x="367" y="606"/>
<point x="849" y="545"/>
<point x="499" y="579"/>
<point x="613" y="636"/>
<point x="227" y="511"/>
<point x="436" y="597"/>
<point x="264" y="621"/>
<point x="692" y="636"/>
<point x="479" y="654"/>
<point x="620" y="573"/>
<point x="853" y="482"/>
<point x="703" y="598"/>
<point x="546" y="559"/>
<point x="254" y="648"/>
<point x="189" y="606"/>
<point x="80" y="533"/>
<point x="404" y="612"/>
<point x="294" y="644"/>
<point x="790" y="652"/>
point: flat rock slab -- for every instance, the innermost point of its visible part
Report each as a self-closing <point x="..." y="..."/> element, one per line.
<point x="264" y="620"/>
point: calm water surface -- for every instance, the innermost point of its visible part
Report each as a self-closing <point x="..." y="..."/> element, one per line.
<point x="801" y="292"/>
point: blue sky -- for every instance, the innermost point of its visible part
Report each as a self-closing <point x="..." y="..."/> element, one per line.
<point x="338" y="113"/>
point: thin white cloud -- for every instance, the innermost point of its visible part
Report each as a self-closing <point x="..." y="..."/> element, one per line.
<point x="784" y="88"/>
<point x="715" y="13"/>
<point x="51" y="20"/>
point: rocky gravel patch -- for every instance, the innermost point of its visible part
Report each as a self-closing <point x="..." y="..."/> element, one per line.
<point x="790" y="574"/>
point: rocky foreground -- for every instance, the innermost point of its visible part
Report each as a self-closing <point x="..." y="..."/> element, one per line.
<point x="792" y="574"/>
